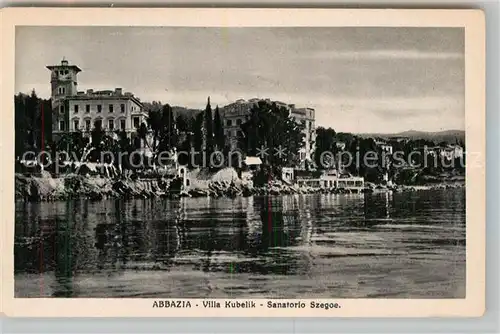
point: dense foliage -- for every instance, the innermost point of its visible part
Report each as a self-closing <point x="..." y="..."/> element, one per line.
<point x="269" y="132"/>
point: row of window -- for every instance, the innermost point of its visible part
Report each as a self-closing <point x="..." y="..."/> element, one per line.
<point x="307" y="125"/>
<point x="98" y="123"/>
<point x="76" y="108"/>
<point x="229" y="122"/>
<point x="234" y="133"/>
<point x="239" y="121"/>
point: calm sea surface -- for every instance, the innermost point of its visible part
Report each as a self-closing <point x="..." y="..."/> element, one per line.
<point x="348" y="246"/>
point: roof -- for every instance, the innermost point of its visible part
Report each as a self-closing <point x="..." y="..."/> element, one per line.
<point x="103" y="97"/>
<point x="249" y="161"/>
<point x="74" y="67"/>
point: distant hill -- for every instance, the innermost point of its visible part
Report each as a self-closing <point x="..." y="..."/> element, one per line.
<point x="449" y="136"/>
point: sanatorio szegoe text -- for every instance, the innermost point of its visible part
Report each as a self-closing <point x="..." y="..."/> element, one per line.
<point x="245" y="304"/>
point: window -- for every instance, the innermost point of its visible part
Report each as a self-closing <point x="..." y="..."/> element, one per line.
<point x="122" y="124"/>
<point x="87" y="124"/>
<point x="98" y="124"/>
<point x="122" y="107"/>
<point x="136" y="122"/>
<point x="76" y="124"/>
<point x="61" y="109"/>
<point x="62" y="125"/>
<point x="229" y="122"/>
<point x="87" y="108"/>
<point x="61" y="90"/>
<point x="110" y="108"/>
<point x="238" y="121"/>
<point x="75" y="108"/>
<point x="66" y="72"/>
<point x="111" y="124"/>
<point x="99" y="107"/>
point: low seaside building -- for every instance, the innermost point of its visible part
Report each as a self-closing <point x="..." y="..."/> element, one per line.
<point x="332" y="179"/>
<point x="384" y="146"/>
<point x="451" y="151"/>
<point x="340" y="145"/>
<point x="250" y="165"/>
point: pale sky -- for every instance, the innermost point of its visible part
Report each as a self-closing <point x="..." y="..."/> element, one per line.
<point x="358" y="79"/>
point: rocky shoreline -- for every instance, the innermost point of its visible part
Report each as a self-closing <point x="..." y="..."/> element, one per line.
<point x="73" y="186"/>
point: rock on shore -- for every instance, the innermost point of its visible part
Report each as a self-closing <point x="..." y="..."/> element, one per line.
<point x="46" y="188"/>
<point x="72" y="186"/>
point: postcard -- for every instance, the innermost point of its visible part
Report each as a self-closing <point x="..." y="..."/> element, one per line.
<point x="195" y="162"/>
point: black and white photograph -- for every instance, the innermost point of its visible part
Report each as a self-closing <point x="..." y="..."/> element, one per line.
<point x="240" y="162"/>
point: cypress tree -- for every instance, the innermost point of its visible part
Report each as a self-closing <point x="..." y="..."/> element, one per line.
<point x="218" y="130"/>
<point x="209" y="128"/>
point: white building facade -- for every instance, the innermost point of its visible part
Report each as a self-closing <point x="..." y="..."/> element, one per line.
<point x="74" y="110"/>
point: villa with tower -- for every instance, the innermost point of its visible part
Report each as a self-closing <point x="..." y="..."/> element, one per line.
<point x="74" y="110"/>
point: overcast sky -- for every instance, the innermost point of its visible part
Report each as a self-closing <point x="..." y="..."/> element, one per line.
<point x="357" y="79"/>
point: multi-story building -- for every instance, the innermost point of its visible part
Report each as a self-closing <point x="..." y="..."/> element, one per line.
<point x="306" y="117"/>
<point x="74" y="110"/>
<point x="233" y="115"/>
<point x="384" y="145"/>
<point x="449" y="151"/>
<point x="237" y="113"/>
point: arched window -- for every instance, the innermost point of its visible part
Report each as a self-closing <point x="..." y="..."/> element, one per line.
<point x="88" y="124"/>
<point x="111" y="124"/>
<point x="76" y="124"/>
<point x="98" y="123"/>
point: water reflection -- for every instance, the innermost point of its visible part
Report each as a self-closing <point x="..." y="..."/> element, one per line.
<point x="301" y="236"/>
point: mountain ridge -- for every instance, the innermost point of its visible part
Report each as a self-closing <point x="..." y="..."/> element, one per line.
<point x="450" y="136"/>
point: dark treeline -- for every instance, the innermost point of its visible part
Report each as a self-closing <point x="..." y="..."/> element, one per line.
<point x="269" y="129"/>
<point x="32" y="123"/>
<point x="407" y="159"/>
<point x="202" y="132"/>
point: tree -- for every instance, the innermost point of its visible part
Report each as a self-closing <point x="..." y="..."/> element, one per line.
<point x="168" y="134"/>
<point x="73" y="144"/>
<point x="209" y="129"/>
<point x="33" y="123"/>
<point x="154" y="106"/>
<point x="219" y="138"/>
<point x="21" y="123"/>
<point x="325" y="142"/>
<point x="154" y="121"/>
<point x="182" y="123"/>
<point x="98" y="136"/>
<point x="198" y="132"/>
<point x="271" y="127"/>
<point x="122" y="150"/>
<point x="164" y="129"/>
<point x="142" y="132"/>
<point x="185" y="146"/>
